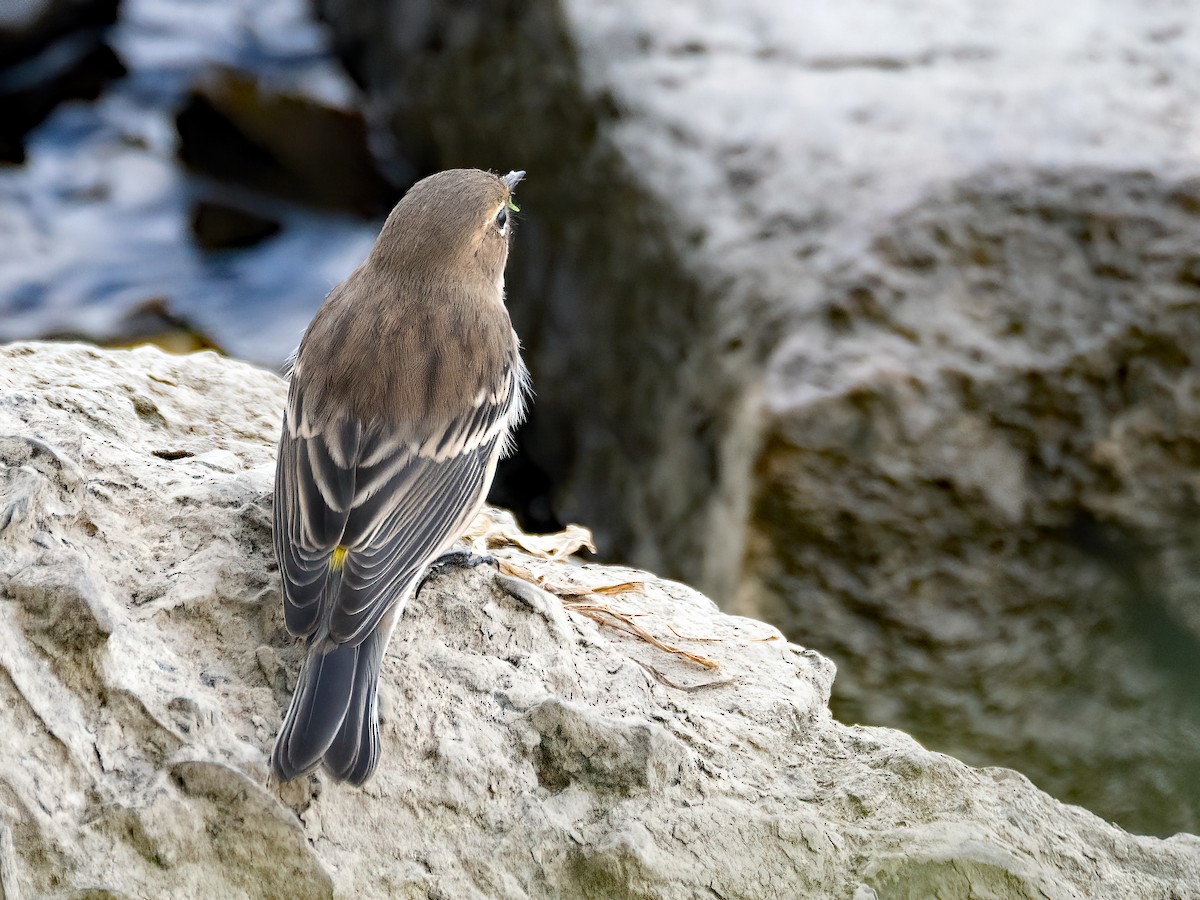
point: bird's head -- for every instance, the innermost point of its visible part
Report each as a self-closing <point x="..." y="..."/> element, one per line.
<point x="455" y="223"/>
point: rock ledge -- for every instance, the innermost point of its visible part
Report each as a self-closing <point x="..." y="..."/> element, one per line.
<point x="529" y="751"/>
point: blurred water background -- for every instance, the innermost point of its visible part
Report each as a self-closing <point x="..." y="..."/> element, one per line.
<point x="96" y="234"/>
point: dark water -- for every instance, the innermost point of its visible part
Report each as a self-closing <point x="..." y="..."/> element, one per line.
<point x="96" y="221"/>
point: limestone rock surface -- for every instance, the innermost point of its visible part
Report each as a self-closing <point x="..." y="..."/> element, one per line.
<point x="877" y="321"/>
<point x="528" y="750"/>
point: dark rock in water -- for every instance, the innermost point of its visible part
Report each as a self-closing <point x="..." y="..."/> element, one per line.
<point x="218" y="226"/>
<point x="50" y="52"/>
<point x="150" y="322"/>
<point x="154" y="322"/>
<point x="235" y="129"/>
<point x="27" y="27"/>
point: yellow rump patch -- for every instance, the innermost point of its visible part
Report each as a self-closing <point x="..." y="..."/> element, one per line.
<point x="338" y="558"/>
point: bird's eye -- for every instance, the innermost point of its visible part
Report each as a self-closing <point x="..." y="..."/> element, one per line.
<point x="502" y="219"/>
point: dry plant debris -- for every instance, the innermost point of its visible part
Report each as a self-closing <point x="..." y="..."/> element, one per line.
<point x="489" y="534"/>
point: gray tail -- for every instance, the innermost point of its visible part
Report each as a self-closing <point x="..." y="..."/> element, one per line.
<point x="334" y="716"/>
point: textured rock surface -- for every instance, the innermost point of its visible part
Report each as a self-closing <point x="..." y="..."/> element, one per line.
<point x="879" y="322"/>
<point x="528" y="751"/>
<point x="1003" y="507"/>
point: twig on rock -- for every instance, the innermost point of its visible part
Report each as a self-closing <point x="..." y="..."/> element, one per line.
<point x="689" y="688"/>
<point x="575" y="597"/>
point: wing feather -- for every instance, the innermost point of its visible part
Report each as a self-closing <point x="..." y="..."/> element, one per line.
<point x="313" y="496"/>
<point x="393" y="504"/>
<point x="389" y="552"/>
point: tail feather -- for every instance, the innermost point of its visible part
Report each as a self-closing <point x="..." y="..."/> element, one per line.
<point x="354" y="752"/>
<point x="334" y="716"/>
<point x="318" y="708"/>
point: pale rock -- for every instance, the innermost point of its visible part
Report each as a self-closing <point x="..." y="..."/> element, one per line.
<point x="527" y="750"/>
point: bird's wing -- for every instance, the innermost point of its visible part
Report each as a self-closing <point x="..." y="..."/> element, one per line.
<point x="390" y="503"/>
<point x="314" y="492"/>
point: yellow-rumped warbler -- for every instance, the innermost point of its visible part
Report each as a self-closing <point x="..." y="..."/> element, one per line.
<point x="405" y="390"/>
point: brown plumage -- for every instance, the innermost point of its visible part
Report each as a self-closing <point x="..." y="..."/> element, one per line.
<point x="404" y="392"/>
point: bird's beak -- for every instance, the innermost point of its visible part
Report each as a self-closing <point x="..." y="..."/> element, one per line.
<point x="510" y="180"/>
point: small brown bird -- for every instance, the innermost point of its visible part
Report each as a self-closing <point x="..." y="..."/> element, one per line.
<point x="404" y="393"/>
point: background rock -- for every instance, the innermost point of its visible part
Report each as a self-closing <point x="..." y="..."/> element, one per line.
<point x="151" y="322"/>
<point x="981" y="473"/>
<point x="235" y="129"/>
<point x="874" y="321"/>
<point x="220" y="226"/>
<point x="50" y="51"/>
<point x="28" y="27"/>
<point x="527" y="751"/>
